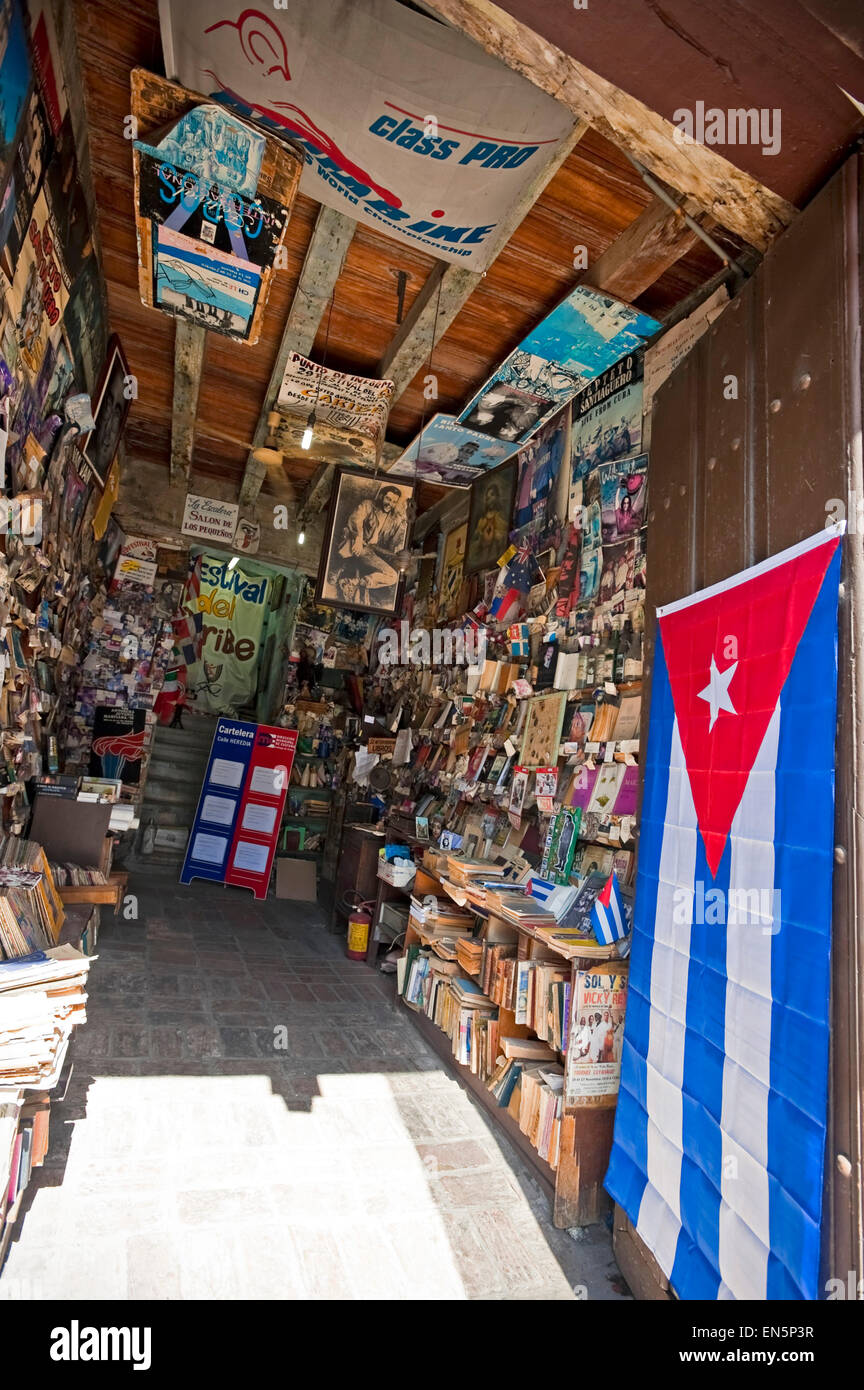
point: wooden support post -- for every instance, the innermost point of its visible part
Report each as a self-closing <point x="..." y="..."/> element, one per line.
<point x="189" y="341"/>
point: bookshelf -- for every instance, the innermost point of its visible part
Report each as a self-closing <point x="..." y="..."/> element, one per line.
<point x="574" y="1179"/>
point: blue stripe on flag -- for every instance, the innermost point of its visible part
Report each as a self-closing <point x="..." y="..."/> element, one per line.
<point x="626" y="1178"/>
<point x="801" y="952"/>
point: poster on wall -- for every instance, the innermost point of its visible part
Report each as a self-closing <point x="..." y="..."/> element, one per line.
<point x="38" y="295"/>
<point x="360" y="404"/>
<point x="489" y="519"/>
<point x="233" y="603"/>
<point x="598" y="1004"/>
<point x="573" y="345"/>
<point x="110" y="409"/>
<point x="362" y="560"/>
<point x="136" y="563"/>
<point x="14" y="78"/>
<point x="236" y="827"/>
<point x="119" y="737"/>
<point x="209" y="519"/>
<point x="539" y="467"/>
<point x="623" y="491"/>
<point x="212" y="199"/>
<point x="30" y="159"/>
<point x="607" y="416"/>
<point x="375" y="153"/>
<point x="452" y="571"/>
<point x="450" y="453"/>
<point x="662" y="359"/>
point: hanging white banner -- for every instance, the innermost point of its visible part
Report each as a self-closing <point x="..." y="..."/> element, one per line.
<point x="407" y="125"/>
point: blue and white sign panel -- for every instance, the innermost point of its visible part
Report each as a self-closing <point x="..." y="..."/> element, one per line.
<point x="219" y="802"/>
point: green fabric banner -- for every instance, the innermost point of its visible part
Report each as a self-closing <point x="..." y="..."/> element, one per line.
<point x="233" y="604"/>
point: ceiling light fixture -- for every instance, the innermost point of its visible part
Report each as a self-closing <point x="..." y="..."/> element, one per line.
<point x="235" y="559"/>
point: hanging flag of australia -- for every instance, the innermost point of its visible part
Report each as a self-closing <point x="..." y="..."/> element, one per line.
<point x="720" y="1128"/>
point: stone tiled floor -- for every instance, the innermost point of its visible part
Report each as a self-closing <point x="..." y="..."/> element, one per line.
<point x="194" y="1158"/>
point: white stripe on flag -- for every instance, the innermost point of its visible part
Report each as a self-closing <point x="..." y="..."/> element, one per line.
<point x="603" y="922"/>
<point x="745" y="1237"/>
<point x="659" y="1222"/>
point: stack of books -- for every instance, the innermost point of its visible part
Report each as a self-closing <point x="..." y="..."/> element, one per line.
<point x="469" y="953"/>
<point x="31" y="911"/>
<point x="29" y="920"/>
<point x="436" y="917"/>
<point x="471" y="1016"/>
<point x="42" y="998"/>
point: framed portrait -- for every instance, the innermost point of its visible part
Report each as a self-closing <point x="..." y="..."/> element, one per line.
<point x="492" y="497"/>
<point x="110" y="408"/>
<point x="452" y="572"/>
<point x="367" y="531"/>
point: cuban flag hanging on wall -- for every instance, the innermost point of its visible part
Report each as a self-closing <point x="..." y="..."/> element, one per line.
<point x="720" y="1128"/>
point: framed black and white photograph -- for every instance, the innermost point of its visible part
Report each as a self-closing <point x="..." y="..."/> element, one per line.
<point x="367" y="532"/>
<point x="492" y="498"/>
<point x="110" y="408"/>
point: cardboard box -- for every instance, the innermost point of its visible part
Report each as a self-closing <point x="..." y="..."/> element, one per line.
<point x="296" y="879"/>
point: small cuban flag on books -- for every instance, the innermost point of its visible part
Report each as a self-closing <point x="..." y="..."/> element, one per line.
<point x="608" y="917"/>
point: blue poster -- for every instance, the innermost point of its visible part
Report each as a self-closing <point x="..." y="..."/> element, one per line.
<point x="219" y="802"/>
<point x="448" y="452"/>
<point x="587" y="333"/>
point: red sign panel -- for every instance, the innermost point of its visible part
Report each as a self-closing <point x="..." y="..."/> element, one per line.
<point x="256" y="829"/>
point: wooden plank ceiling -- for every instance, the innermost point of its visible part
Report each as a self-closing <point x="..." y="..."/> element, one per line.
<point x="591" y="200"/>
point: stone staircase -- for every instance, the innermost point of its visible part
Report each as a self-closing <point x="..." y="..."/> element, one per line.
<point x="177" y="764"/>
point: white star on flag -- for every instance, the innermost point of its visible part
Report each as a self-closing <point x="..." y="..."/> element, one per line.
<point x="717" y="691"/>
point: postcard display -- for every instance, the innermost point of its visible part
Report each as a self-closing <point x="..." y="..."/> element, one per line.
<point x="52" y="341"/>
<point x="519" y="794"/>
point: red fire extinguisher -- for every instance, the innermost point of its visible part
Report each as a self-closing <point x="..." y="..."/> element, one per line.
<point x="359" y="922"/>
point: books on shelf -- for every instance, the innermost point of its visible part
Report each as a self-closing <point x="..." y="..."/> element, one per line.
<point x="433" y="917"/>
<point x="469" y="953"/>
<point x="541" y="1105"/>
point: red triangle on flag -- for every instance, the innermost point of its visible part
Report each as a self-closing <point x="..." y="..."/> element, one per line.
<point x="728" y="656"/>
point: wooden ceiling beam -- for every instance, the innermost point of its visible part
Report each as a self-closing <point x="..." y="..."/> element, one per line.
<point x="325" y="256"/>
<point x="189" y="343"/>
<point x="643" y="252"/>
<point x="448" y="287"/>
<point x="737" y="200"/>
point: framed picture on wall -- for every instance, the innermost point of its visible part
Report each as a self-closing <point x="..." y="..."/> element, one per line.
<point x="452" y="573"/>
<point x="492" y="497"/>
<point x="110" y="408"/>
<point x="367" y="532"/>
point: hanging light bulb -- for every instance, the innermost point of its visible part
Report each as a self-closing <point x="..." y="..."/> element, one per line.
<point x="308" y="433"/>
<point x="301" y="536"/>
<point x="233" y="561"/>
